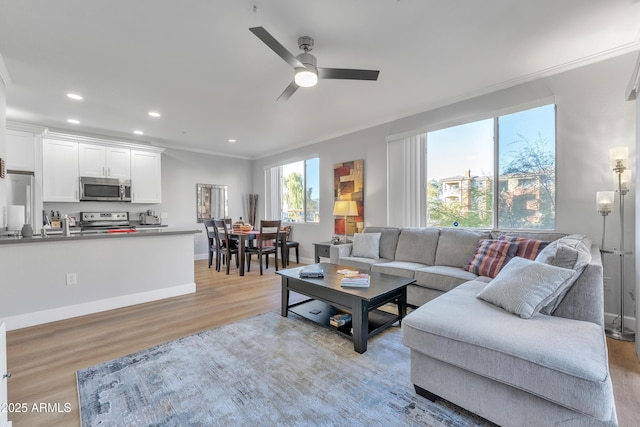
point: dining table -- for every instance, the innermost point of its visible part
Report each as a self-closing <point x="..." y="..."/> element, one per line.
<point x="247" y="236"/>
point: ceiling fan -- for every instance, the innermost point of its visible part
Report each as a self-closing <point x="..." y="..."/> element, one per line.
<point x="307" y="72"/>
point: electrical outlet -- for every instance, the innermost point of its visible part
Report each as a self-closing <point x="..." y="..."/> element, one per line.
<point x="72" y="279"/>
<point x="164" y="215"/>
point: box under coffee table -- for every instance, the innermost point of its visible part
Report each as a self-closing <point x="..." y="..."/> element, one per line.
<point x="327" y="297"/>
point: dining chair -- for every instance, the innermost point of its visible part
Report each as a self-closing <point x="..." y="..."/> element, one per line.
<point x="229" y="223"/>
<point x="213" y="245"/>
<point x="266" y="243"/>
<point x="286" y="246"/>
<point x="226" y="246"/>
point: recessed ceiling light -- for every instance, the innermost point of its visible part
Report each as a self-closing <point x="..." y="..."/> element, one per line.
<point x="74" y="121"/>
<point x="154" y="114"/>
<point x="138" y="132"/>
<point x="75" y="96"/>
<point x="233" y="141"/>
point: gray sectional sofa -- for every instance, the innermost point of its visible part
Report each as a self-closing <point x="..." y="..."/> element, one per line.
<point x="472" y="345"/>
<point x="434" y="257"/>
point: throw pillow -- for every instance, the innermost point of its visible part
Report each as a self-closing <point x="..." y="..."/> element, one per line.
<point x="573" y="252"/>
<point x="366" y="245"/>
<point x="490" y="256"/>
<point x="527" y="248"/>
<point x="523" y="286"/>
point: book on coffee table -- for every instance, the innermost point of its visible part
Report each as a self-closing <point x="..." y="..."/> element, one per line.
<point x="360" y="280"/>
<point x="338" y="320"/>
<point x="311" y="272"/>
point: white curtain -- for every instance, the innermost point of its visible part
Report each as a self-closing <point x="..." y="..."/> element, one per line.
<point x="406" y="198"/>
<point x="273" y="193"/>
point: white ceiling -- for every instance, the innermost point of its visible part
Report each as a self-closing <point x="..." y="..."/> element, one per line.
<point x="196" y="62"/>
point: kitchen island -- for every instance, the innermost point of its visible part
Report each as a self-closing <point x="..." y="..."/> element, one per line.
<point x="45" y="279"/>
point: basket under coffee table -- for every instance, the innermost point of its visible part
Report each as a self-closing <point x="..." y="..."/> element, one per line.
<point x="327" y="297"/>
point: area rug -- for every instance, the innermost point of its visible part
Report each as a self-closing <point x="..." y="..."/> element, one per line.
<point x="263" y="371"/>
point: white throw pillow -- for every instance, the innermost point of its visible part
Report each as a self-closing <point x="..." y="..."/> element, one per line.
<point x="366" y="245"/>
<point x="524" y="287"/>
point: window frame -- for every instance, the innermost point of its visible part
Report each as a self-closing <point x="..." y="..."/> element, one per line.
<point x="495" y="187"/>
<point x="269" y="208"/>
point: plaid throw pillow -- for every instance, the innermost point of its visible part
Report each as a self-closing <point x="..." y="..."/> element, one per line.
<point x="490" y="256"/>
<point x="527" y="248"/>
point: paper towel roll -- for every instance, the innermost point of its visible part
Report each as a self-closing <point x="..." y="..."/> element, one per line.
<point x="16" y="217"/>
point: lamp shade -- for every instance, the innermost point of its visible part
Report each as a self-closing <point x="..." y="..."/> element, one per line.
<point x="604" y="200"/>
<point x="619" y="158"/>
<point x="345" y="208"/>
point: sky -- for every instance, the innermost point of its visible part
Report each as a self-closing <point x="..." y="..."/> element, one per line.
<point x="451" y="151"/>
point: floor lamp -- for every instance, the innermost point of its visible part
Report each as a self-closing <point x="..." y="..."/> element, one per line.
<point x="622" y="176"/>
<point x="345" y="208"/>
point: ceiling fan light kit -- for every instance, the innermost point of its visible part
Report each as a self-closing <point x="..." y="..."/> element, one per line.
<point x="306" y="71"/>
<point x="306" y="76"/>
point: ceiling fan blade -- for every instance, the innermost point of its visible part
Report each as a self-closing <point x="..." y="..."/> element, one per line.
<point x="347" y="73"/>
<point x="275" y="45"/>
<point x="288" y="91"/>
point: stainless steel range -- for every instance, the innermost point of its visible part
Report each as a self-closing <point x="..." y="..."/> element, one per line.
<point x="104" y="220"/>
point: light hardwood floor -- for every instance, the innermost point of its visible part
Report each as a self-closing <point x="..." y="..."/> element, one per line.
<point x="44" y="359"/>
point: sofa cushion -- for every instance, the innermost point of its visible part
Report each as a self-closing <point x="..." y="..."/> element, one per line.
<point x="456" y="246"/>
<point x="561" y="360"/>
<point x="527" y="248"/>
<point x="398" y="268"/>
<point x="366" y="245"/>
<point x="537" y="235"/>
<point x="442" y="277"/>
<point x="361" y="264"/>
<point x="490" y="256"/>
<point x="573" y="252"/>
<point x="388" y="240"/>
<point x="523" y="286"/>
<point x="417" y="245"/>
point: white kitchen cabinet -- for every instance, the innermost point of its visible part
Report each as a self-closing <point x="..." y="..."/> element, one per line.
<point x="104" y="162"/>
<point x="146" y="177"/>
<point x="20" y="151"/>
<point x="60" y="177"/>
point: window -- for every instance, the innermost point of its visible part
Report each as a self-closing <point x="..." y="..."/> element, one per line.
<point x="498" y="172"/>
<point x="459" y="175"/>
<point x="527" y="169"/>
<point x="293" y="191"/>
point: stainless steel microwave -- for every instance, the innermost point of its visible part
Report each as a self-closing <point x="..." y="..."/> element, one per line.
<point x="105" y="189"/>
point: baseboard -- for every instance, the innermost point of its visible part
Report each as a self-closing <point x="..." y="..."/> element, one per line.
<point x="198" y="257"/>
<point x="61" y="313"/>
<point x="629" y="322"/>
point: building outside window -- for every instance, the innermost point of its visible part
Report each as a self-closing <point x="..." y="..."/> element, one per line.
<point x="525" y="190"/>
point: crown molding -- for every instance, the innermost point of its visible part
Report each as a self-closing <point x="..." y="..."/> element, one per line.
<point x="100" y="141"/>
<point x="25" y="127"/>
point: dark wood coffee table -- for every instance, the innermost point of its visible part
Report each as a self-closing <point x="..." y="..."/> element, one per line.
<point x="327" y="298"/>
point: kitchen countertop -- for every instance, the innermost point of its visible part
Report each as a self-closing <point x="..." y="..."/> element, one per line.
<point x="99" y="234"/>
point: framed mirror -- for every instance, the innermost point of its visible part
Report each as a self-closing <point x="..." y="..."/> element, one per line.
<point x="211" y="201"/>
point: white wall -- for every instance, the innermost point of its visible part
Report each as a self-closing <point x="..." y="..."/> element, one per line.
<point x="182" y="170"/>
<point x="593" y="116"/>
